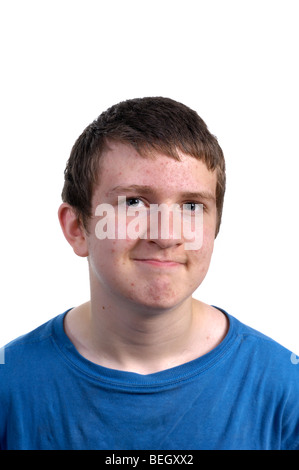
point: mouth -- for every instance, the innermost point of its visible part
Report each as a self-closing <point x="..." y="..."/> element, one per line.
<point x="159" y="263"/>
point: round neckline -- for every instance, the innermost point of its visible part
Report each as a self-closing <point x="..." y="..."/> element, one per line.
<point x="127" y="380"/>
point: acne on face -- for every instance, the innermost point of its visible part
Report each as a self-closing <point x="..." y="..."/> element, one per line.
<point x="163" y="180"/>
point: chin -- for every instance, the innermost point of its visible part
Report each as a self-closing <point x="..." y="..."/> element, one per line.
<point x="154" y="299"/>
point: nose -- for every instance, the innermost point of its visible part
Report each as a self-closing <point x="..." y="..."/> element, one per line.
<point x="164" y="227"/>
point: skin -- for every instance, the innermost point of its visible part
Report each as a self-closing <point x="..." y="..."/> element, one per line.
<point x="141" y="316"/>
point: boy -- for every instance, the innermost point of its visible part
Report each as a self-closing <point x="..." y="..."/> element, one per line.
<point x="143" y="365"/>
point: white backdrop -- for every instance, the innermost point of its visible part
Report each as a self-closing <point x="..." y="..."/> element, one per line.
<point x="235" y="61"/>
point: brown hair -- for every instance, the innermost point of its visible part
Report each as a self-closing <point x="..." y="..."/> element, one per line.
<point x="148" y="124"/>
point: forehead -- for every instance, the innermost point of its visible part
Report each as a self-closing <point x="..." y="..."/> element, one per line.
<point x="122" y="166"/>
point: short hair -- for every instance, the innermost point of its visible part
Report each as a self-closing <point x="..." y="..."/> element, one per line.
<point x="151" y="124"/>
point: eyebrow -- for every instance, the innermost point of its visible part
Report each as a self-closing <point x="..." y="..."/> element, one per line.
<point x="206" y="195"/>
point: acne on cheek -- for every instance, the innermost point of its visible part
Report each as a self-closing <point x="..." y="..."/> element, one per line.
<point x="208" y="238"/>
<point x="112" y="250"/>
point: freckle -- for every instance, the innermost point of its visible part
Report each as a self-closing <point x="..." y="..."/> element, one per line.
<point x="103" y="307"/>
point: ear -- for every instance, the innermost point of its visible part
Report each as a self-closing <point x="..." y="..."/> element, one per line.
<point x="72" y="229"/>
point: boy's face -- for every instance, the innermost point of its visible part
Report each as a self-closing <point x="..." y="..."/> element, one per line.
<point x="153" y="272"/>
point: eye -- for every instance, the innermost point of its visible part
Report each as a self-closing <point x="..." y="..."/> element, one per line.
<point x="134" y="202"/>
<point x="192" y="206"/>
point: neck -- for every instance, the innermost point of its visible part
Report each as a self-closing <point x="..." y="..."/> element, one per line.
<point x="143" y="341"/>
<point x="125" y="337"/>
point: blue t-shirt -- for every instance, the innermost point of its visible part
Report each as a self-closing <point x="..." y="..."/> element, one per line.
<point x="244" y="394"/>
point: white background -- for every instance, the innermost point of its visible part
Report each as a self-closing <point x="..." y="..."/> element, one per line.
<point x="234" y="61"/>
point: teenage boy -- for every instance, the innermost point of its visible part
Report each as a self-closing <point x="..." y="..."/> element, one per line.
<point x="143" y="365"/>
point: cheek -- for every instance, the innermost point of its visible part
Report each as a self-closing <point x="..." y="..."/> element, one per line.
<point x="104" y="262"/>
<point x="201" y="258"/>
<point x="108" y="254"/>
<point x="208" y="242"/>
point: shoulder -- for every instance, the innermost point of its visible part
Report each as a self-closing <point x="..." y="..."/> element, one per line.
<point x="266" y="358"/>
<point x="255" y="337"/>
<point x="23" y="354"/>
<point x="260" y="354"/>
<point x="38" y="335"/>
<point x="270" y="373"/>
